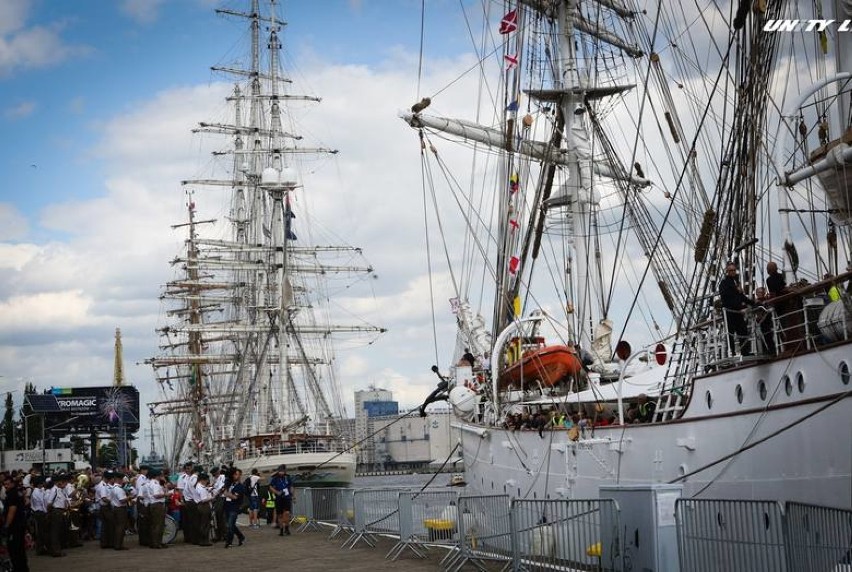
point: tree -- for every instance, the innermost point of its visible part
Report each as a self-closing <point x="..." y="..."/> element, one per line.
<point x="108" y="455"/>
<point x="9" y="423"/>
<point x="30" y="422"/>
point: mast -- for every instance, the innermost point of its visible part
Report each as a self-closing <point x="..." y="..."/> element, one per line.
<point x="244" y="342"/>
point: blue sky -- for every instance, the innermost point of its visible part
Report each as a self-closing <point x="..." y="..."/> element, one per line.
<point x="97" y="99"/>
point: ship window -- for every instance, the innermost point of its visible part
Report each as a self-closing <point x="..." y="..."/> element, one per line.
<point x="788" y="385"/>
<point x="843" y="368"/>
<point x="709" y="398"/>
<point x="800" y="382"/>
<point x="739" y="393"/>
<point x="761" y="389"/>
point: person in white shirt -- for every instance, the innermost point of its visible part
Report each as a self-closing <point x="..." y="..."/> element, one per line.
<point x="203" y="500"/>
<point x="118" y="500"/>
<point x="190" y="520"/>
<point x="39" y="508"/>
<point x="103" y="496"/>
<point x="142" y="523"/>
<point x="219" y="503"/>
<point x="155" y="492"/>
<point x="253" y="493"/>
<point x="56" y="502"/>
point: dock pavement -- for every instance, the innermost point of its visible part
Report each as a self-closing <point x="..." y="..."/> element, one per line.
<point x="264" y="550"/>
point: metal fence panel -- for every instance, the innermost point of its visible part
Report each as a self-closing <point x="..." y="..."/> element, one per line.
<point x="345" y="513"/>
<point x="426" y="517"/>
<point x="562" y="534"/>
<point x="730" y="535"/>
<point x="818" y="538"/>
<point x="484" y="532"/>
<point x="376" y="512"/>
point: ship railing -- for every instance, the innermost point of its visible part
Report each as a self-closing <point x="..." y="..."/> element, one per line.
<point x="425" y="517"/>
<point x="784" y="326"/>
<point x="251" y="452"/>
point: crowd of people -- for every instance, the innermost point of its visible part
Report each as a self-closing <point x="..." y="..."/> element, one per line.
<point x="56" y="512"/>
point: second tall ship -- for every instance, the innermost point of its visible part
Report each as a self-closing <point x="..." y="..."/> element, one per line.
<point x="247" y="359"/>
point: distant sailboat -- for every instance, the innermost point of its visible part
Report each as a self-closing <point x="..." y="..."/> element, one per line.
<point x="248" y="367"/>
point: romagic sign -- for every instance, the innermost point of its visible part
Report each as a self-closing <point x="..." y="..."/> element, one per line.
<point x="100" y="407"/>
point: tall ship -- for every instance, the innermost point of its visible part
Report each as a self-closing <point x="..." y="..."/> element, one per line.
<point x="247" y="366"/>
<point x="648" y="247"/>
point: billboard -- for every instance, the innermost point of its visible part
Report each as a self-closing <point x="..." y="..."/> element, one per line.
<point x="88" y="409"/>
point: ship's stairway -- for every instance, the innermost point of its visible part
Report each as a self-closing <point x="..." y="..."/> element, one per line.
<point x="673" y="396"/>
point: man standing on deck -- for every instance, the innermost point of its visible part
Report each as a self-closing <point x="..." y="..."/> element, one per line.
<point x="281" y="486"/>
<point x="734" y="302"/>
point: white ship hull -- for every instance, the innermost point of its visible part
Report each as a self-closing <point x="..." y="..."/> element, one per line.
<point x="321" y="469"/>
<point x="794" y="446"/>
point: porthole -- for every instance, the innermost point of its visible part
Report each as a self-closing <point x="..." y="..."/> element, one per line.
<point x="788" y="385"/>
<point x="843" y="369"/>
<point x="761" y="389"/>
<point x="739" y="393"/>
<point x="800" y="382"/>
<point x="708" y="397"/>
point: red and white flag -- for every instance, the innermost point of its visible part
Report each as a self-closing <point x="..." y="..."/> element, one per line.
<point x="513" y="265"/>
<point x="509" y="23"/>
<point x="511" y="61"/>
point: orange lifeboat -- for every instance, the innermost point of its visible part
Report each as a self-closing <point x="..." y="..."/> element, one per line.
<point x="548" y="364"/>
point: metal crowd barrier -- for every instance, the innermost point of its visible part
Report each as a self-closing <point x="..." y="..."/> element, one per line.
<point x="425" y="517"/>
<point x="376" y="512"/>
<point x="730" y="535"/>
<point x="818" y="537"/>
<point x="564" y="535"/>
<point x="484" y="532"/>
<point x="314" y="506"/>
<point x="345" y="517"/>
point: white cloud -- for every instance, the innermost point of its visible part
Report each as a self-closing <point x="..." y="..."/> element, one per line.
<point x="142" y="11"/>
<point x="23" y="109"/>
<point x="13" y="225"/>
<point x="13" y="14"/>
<point x="62" y="311"/>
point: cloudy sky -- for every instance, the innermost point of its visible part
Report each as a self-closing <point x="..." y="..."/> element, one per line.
<point x="97" y="100"/>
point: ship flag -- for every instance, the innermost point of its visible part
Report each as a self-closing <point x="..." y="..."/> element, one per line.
<point x="509" y="23"/>
<point x="511" y="61"/>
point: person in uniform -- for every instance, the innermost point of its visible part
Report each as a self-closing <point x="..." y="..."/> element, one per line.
<point x="118" y="500"/>
<point x="217" y="491"/>
<point x="156" y="495"/>
<point x="282" y="486"/>
<point x="103" y="496"/>
<point x="142" y="522"/>
<point x="39" y="508"/>
<point x="190" y="506"/>
<point x="203" y="509"/>
<point x="15" y="525"/>
<point x="234" y="494"/>
<point x="57" y="505"/>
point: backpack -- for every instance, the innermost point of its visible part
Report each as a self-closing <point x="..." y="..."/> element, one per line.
<point x="250" y="490"/>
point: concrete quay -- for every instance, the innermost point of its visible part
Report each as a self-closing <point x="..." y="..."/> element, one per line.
<point x="263" y="551"/>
